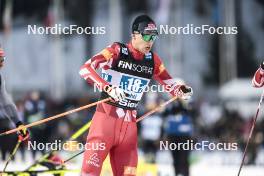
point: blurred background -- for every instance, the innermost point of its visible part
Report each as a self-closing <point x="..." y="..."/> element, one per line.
<point x="41" y="74"/>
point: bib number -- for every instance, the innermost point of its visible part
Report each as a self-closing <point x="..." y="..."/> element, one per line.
<point x="133" y="86"/>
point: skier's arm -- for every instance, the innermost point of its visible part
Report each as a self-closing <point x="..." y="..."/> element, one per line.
<point x="258" y="79"/>
<point x="9" y="110"/>
<point x="103" y="60"/>
<point x="8" y="107"/>
<point x="171" y="85"/>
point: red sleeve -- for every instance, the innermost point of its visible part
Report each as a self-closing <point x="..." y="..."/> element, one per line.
<point x="163" y="77"/>
<point x="258" y="79"/>
<point x="103" y="60"/>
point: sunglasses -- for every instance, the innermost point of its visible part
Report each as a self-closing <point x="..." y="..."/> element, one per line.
<point x="149" y="37"/>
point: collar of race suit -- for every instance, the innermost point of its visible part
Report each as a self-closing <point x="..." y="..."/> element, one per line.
<point x="136" y="54"/>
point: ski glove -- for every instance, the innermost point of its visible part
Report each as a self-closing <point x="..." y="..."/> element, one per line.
<point x="183" y="91"/>
<point x="23" y="134"/>
<point x="115" y="92"/>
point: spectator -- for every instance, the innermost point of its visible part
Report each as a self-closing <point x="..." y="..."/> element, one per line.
<point x="35" y="108"/>
<point x="179" y="129"/>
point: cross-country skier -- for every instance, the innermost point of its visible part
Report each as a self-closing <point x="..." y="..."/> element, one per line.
<point x="7" y="106"/>
<point x="258" y="79"/>
<point x="126" y="70"/>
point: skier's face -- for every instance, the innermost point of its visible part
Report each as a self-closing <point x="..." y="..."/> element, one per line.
<point x="140" y="44"/>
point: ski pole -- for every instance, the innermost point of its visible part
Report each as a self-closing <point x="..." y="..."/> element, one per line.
<point x="65" y="161"/>
<point x="54" y="117"/>
<point x="157" y="108"/>
<point x="73" y="137"/>
<point x="138" y="120"/>
<point x="251" y="132"/>
<point x="12" y="154"/>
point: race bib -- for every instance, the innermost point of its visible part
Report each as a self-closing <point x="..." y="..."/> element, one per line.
<point x="133" y="86"/>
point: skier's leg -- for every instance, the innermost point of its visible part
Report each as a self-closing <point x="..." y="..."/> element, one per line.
<point x="99" y="142"/>
<point x="124" y="156"/>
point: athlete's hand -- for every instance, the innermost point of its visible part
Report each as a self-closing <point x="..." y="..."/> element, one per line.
<point x="115" y="92"/>
<point x="183" y="91"/>
<point x="23" y="134"/>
